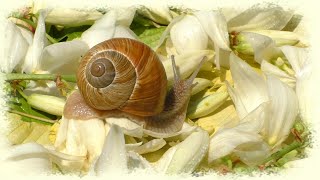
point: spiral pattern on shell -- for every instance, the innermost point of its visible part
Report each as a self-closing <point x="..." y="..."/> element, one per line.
<point x="123" y="74"/>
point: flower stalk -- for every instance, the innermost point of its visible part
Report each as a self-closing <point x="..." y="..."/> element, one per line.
<point x="52" y="77"/>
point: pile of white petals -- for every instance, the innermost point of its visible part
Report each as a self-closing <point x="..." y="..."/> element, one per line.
<point x="266" y="102"/>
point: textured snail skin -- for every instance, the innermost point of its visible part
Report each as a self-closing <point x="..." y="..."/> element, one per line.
<point x="173" y="104"/>
<point x="139" y="84"/>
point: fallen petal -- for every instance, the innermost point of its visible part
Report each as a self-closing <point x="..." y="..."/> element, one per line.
<point x="113" y="157"/>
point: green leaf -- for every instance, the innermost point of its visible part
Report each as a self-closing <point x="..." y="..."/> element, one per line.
<point x="67" y="34"/>
<point x="152" y="36"/>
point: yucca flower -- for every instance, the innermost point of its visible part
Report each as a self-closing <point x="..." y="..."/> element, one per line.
<point x="267" y="109"/>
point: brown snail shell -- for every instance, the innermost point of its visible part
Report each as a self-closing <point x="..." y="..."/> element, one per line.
<point x="123" y="74"/>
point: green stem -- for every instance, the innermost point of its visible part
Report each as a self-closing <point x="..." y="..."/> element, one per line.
<point x="51" y="39"/>
<point x="32" y="116"/>
<point x="279" y="154"/>
<point x="52" y="77"/>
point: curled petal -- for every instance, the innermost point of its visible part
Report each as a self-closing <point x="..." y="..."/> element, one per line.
<point x="128" y="127"/>
<point x="15" y="49"/>
<point x="185" y="131"/>
<point x="226" y="141"/>
<point x="296" y="56"/>
<point x="150" y="146"/>
<point x="188" y="35"/>
<point x="72" y="17"/>
<point x="39" y="42"/>
<point x="137" y="161"/>
<point x="284" y="109"/>
<point x="249" y="87"/>
<point x="113" y="157"/>
<point x="263" y="46"/>
<point x="186" y="63"/>
<point x="270" y="69"/>
<point x="259" y="17"/>
<point x="124" y="32"/>
<point x="63" y="58"/>
<point x="185" y="156"/>
<point x="103" y="29"/>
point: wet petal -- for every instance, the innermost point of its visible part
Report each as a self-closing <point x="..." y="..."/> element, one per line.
<point x="63" y="58"/>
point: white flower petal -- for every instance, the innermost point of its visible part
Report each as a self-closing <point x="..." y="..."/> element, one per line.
<point x="284" y="109"/>
<point x="304" y="86"/>
<point x="103" y="29"/>
<point x="185" y="131"/>
<point x="124" y="32"/>
<point x="113" y="157"/>
<point x="125" y="16"/>
<point x="15" y="48"/>
<point x="260" y="18"/>
<point x="137" y="161"/>
<point x="72" y="17"/>
<point x="270" y="69"/>
<point x="249" y="87"/>
<point x="226" y="140"/>
<point x="215" y="26"/>
<point x="253" y="153"/>
<point x="39" y="42"/>
<point x="186" y="63"/>
<point x="63" y="58"/>
<point x="188" y="35"/>
<point x="263" y="46"/>
<point x="128" y="127"/>
<point x="159" y="14"/>
<point x="296" y="56"/>
<point x="185" y="156"/>
<point x="27" y="34"/>
<point x="150" y="146"/>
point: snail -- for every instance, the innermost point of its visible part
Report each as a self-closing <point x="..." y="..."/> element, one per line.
<point x="123" y="77"/>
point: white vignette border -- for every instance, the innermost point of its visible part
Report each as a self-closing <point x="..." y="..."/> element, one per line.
<point x="307" y="168"/>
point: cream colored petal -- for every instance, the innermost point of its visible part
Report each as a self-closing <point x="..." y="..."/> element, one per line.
<point x="253" y="153"/>
<point x="125" y="16"/>
<point x="185" y="156"/>
<point x="225" y="141"/>
<point x="270" y="69"/>
<point x="261" y="16"/>
<point x="188" y="35"/>
<point x="284" y="109"/>
<point x="63" y="58"/>
<point x="72" y="17"/>
<point x="160" y="14"/>
<point x="296" y="56"/>
<point x="15" y="48"/>
<point x="128" y="127"/>
<point x="185" y="131"/>
<point x="124" y="32"/>
<point x="103" y="29"/>
<point x="263" y="46"/>
<point x="186" y="63"/>
<point x="136" y="161"/>
<point x="249" y="87"/>
<point x="150" y="146"/>
<point x="113" y="157"/>
<point x="39" y="42"/>
<point x="201" y="84"/>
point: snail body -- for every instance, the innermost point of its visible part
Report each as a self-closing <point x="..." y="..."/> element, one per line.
<point x="142" y="93"/>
